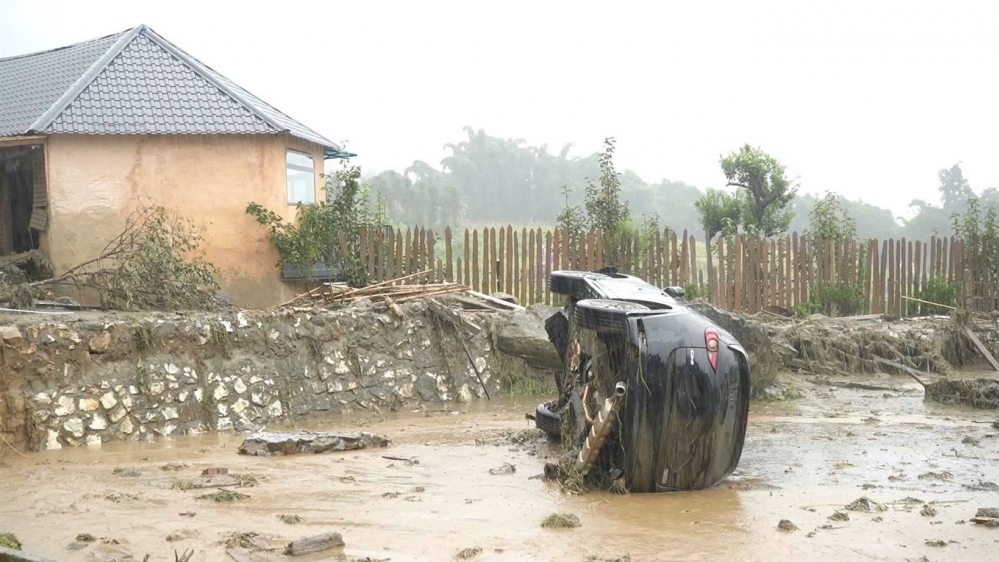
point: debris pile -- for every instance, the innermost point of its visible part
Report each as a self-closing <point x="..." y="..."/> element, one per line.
<point x="387" y="295"/>
<point x="153" y="264"/>
<point x="267" y="444"/>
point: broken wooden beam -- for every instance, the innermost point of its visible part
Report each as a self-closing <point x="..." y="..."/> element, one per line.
<point x="267" y="444"/>
<point x="317" y="543"/>
<point x="905" y="369"/>
<point x="499" y="302"/>
<point x="981" y="348"/>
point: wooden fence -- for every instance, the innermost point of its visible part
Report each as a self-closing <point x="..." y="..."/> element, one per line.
<point x="740" y="273"/>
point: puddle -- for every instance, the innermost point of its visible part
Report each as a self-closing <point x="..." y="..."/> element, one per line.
<point x="803" y="460"/>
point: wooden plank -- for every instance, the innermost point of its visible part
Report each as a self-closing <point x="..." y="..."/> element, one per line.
<point x="866" y="286"/>
<point x="466" y="271"/>
<point x="590" y="242"/>
<point x="794" y="279"/>
<point x="532" y="268"/>
<point x="549" y="260"/>
<point x="723" y="300"/>
<point x="917" y="269"/>
<point x="539" y="265"/>
<point x="526" y="251"/>
<point x="474" y="264"/>
<point x="515" y="281"/>
<point x="894" y="268"/>
<point x="449" y="271"/>
<point x="432" y="253"/>
<point x="493" y="300"/>
<point x="400" y="243"/>
<point x="390" y="255"/>
<point x="692" y="244"/>
<point x="877" y="280"/>
<point x="909" y="275"/>
<point x="981" y="348"/>
<point x="503" y="272"/>
<point x="380" y="267"/>
<point x="738" y="274"/>
<point x="674" y="261"/>
<point x="508" y="260"/>
<point x="712" y="280"/>
<point x="495" y="249"/>
<point x="362" y="247"/>
<point x="883" y="275"/>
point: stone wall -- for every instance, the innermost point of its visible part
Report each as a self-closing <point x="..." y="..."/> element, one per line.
<point x="93" y="378"/>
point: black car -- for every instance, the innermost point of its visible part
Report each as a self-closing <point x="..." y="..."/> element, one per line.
<point x="650" y="390"/>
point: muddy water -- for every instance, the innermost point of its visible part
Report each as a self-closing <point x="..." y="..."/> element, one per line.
<point x="803" y="459"/>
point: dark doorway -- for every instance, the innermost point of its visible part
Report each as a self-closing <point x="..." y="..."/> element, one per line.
<point x="17" y="201"/>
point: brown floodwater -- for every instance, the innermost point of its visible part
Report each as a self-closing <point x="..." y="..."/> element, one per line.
<point x="803" y="460"/>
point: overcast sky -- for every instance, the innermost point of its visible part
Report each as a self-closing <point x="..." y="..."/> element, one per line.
<point x="867" y="99"/>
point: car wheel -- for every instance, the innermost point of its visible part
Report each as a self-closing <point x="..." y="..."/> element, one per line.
<point x="605" y="315"/>
<point x="547" y="419"/>
<point x="572" y="283"/>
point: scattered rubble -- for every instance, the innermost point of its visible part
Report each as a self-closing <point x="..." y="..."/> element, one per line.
<point x="505" y="468"/>
<point x="787" y="525"/>
<point x="290" y="519"/>
<point x="839" y="516"/>
<point x="310" y="545"/>
<point x="928" y="511"/>
<point x="468" y="553"/>
<point x="866" y="505"/>
<point x="939" y="476"/>
<point x="308" y="442"/>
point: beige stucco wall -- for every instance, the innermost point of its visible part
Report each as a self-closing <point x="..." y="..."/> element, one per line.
<point x="96" y="181"/>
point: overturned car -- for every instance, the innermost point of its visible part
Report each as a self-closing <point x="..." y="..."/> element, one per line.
<point x="651" y="393"/>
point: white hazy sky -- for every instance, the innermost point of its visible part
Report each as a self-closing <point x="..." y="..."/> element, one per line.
<point x="865" y="98"/>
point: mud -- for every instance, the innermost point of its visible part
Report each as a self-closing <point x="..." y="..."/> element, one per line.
<point x="805" y="461"/>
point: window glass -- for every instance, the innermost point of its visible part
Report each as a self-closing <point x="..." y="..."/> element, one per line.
<point x="301" y="178"/>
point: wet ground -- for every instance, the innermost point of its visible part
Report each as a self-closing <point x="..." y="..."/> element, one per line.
<point x="804" y="460"/>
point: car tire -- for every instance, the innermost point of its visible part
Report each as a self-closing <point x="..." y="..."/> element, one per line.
<point x="605" y="315"/>
<point x="547" y="419"/>
<point x="572" y="283"/>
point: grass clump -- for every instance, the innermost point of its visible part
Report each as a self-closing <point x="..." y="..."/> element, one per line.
<point x="8" y="540"/>
<point x="245" y="480"/>
<point x="560" y="521"/>
<point x="241" y="540"/>
<point x="223" y="496"/>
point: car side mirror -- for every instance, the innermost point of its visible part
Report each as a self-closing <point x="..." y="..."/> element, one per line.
<point x="675" y="292"/>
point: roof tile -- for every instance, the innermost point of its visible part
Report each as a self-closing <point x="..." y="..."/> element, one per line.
<point x="149" y="87"/>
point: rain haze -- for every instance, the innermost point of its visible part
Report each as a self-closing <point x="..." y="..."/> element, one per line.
<point x="868" y="100"/>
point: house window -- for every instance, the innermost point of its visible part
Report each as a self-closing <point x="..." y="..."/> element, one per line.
<point x="301" y="178"/>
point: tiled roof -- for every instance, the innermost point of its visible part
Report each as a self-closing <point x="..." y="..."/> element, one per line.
<point x="134" y="82"/>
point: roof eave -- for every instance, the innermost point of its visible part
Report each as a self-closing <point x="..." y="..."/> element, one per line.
<point x="332" y="153"/>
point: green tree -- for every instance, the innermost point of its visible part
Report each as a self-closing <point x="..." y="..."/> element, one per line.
<point x="954" y="188"/>
<point x="830" y="221"/>
<point x="765" y="190"/>
<point x="605" y="210"/>
<point x="717" y="210"/>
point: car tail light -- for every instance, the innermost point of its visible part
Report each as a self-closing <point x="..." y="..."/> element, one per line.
<point x="711" y="342"/>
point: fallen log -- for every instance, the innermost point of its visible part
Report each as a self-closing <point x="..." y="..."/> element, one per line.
<point x="267" y="444"/>
<point x="310" y="545"/>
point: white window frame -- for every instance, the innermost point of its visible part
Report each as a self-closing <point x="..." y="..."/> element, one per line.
<point x="290" y="167"/>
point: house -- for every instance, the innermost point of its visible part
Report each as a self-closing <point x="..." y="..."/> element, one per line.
<point x="90" y="130"/>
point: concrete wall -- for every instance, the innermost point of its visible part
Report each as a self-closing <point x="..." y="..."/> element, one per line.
<point x="96" y="181"/>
